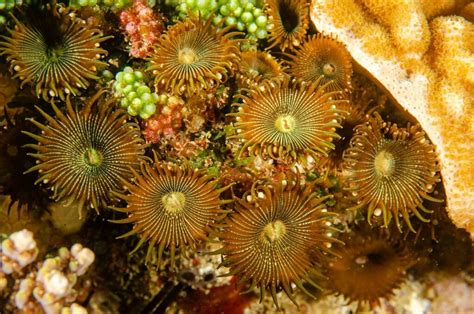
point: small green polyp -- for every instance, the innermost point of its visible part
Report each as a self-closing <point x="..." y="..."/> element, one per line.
<point x="285" y="123"/>
<point x="93" y="157"/>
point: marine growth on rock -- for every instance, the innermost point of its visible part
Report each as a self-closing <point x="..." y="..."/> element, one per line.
<point x="239" y="158"/>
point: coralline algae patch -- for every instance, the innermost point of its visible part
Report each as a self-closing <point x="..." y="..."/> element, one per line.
<point x="226" y="156"/>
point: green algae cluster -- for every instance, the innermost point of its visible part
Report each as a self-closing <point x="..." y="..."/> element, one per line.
<point x="136" y="96"/>
<point x="6" y="6"/>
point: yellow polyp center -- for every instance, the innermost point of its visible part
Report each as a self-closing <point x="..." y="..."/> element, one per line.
<point x="274" y="231"/>
<point x="328" y="69"/>
<point x="93" y="157"/>
<point x="174" y="202"/>
<point x="187" y="56"/>
<point x="384" y="163"/>
<point x="285" y="123"/>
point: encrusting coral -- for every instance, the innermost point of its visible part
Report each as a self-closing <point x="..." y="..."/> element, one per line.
<point x="434" y="85"/>
<point x="396" y="16"/>
<point x="83" y="153"/>
<point x="54" y="51"/>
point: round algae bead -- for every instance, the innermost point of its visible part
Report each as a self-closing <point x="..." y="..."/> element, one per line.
<point x="138" y="75"/>
<point x="240" y="26"/>
<point x="238" y="11"/>
<point x="246" y="17"/>
<point x="231" y="20"/>
<point x="224" y="10"/>
<point x="261" y="33"/>
<point x="132" y="95"/>
<point x="261" y="21"/>
<point x="143" y="89"/>
<point x="146" y="98"/>
<point x="252" y="28"/>
<point x="124" y="103"/>
<point x="131" y="111"/>
<point x="129" y="78"/>
<point x="127" y="89"/>
<point x="149" y="109"/>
